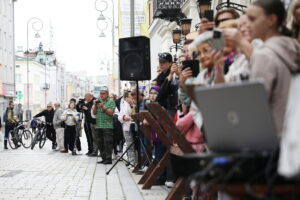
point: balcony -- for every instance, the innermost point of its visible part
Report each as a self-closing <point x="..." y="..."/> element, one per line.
<point x="235" y="4"/>
<point x="168" y="9"/>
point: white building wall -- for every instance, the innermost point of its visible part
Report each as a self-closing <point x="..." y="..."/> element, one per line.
<point x="56" y="91"/>
<point x="37" y="96"/>
<point x="7" y="85"/>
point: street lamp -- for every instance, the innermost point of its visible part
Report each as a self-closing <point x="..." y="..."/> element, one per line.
<point x="35" y="20"/>
<point x="203" y="5"/>
<point x="185" y="26"/>
<point x="176" y="36"/>
<point x="101" y="29"/>
<point x="103" y="18"/>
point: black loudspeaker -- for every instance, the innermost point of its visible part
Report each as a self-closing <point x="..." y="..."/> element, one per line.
<point x="134" y="58"/>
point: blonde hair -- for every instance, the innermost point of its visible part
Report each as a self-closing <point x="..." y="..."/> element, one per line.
<point x="232" y="23"/>
<point x="290" y="15"/>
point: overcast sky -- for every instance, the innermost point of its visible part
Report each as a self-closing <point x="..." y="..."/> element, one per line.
<point x="75" y="34"/>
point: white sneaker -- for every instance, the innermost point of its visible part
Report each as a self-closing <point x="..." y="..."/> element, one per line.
<point x="169" y="184"/>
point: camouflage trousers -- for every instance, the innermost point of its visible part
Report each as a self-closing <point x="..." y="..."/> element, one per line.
<point x="105" y="140"/>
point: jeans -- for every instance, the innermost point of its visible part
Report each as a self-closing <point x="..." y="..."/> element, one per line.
<point x="159" y="151"/>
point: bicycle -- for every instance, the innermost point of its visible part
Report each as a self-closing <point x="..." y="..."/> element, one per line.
<point x="40" y="134"/>
<point x="20" y="135"/>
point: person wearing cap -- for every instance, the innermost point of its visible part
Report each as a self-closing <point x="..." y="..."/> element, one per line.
<point x="165" y="63"/>
<point x="50" y="131"/>
<point x="168" y="95"/>
<point x="103" y="110"/>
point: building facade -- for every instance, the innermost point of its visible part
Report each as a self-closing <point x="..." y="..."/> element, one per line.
<point x="38" y="77"/>
<point x="161" y="30"/>
<point x="7" y="66"/>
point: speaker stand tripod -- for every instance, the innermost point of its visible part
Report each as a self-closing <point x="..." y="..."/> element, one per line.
<point x="137" y="139"/>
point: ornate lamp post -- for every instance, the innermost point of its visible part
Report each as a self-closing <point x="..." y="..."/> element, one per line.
<point x="103" y="18"/>
<point x="185" y="26"/>
<point x="203" y="5"/>
<point x="33" y="20"/>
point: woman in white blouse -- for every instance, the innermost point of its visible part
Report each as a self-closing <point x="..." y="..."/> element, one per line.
<point x="70" y="117"/>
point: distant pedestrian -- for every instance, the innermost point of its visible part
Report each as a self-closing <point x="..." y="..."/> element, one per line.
<point x="70" y="117"/>
<point x="50" y="131"/>
<point x="103" y="110"/>
<point x="59" y="127"/>
<point x="9" y="121"/>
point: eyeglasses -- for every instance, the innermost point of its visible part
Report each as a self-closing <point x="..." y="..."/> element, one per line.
<point x="153" y="93"/>
<point x="218" y="22"/>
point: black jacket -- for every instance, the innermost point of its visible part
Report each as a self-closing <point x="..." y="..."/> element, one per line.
<point x="168" y="94"/>
<point x="47" y="114"/>
<point x="87" y="113"/>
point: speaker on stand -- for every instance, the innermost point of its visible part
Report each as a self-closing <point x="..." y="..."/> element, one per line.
<point x="134" y="62"/>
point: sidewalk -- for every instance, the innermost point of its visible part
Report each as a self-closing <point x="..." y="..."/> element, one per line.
<point x="45" y="174"/>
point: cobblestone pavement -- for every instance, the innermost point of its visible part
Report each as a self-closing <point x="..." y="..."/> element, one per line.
<point x="44" y="174"/>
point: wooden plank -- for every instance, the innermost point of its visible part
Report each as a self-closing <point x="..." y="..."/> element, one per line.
<point x="146" y="129"/>
<point x="147" y="173"/>
<point x="162" y="116"/>
<point x="157" y="128"/>
<point x="178" y="191"/>
<point x="161" y="165"/>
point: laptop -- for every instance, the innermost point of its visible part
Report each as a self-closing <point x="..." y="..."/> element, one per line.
<point x="237" y="117"/>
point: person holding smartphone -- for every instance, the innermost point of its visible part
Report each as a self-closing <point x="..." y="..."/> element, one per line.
<point x="70" y="117"/>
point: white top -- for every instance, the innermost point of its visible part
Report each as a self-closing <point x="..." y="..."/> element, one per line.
<point x="70" y="116"/>
<point x="125" y="110"/>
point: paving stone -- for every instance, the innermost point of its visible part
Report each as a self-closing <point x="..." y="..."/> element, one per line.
<point x="46" y="175"/>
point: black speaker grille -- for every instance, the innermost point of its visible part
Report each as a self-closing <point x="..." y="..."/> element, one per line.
<point x="135" y="58"/>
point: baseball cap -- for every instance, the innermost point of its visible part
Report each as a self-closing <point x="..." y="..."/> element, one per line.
<point x="103" y="89"/>
<point x="165" y="57"/>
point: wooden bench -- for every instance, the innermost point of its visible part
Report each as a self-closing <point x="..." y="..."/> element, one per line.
<point x="160" y="122"/>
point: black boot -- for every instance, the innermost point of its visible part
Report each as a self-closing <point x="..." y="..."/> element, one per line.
<point x="5" y="144"/>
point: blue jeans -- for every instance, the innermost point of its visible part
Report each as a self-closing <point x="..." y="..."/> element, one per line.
<point x="8" y="127"/>
<point x="159" y="151"/>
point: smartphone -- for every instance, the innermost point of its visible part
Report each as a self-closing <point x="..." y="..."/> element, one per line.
<point x="209" y="14"/>
<point x="217" y="41"/>
<point x="193" y="64"/>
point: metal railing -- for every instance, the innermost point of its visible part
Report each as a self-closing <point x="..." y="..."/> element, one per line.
<point x="166" y="8"/>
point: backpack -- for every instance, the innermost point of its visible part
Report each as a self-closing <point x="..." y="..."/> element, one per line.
<point x="33" y="124"/>
<point x="289" y="162"/>
<point x="5" y="116"/>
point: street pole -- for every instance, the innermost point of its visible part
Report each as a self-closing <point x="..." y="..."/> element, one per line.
<point x="28" y="111"/>
<point x="132" y="18"/>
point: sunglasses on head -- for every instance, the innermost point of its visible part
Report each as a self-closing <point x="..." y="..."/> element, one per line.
<point x="163" y="55"/>
<point x="218" y="22"/>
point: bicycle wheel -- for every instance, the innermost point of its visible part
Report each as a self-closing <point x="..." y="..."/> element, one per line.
<point x="12" y="139"/>
<point x="26" y="139"/>
<point x="35" y="140"/>
<point x="42" y="139"/>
